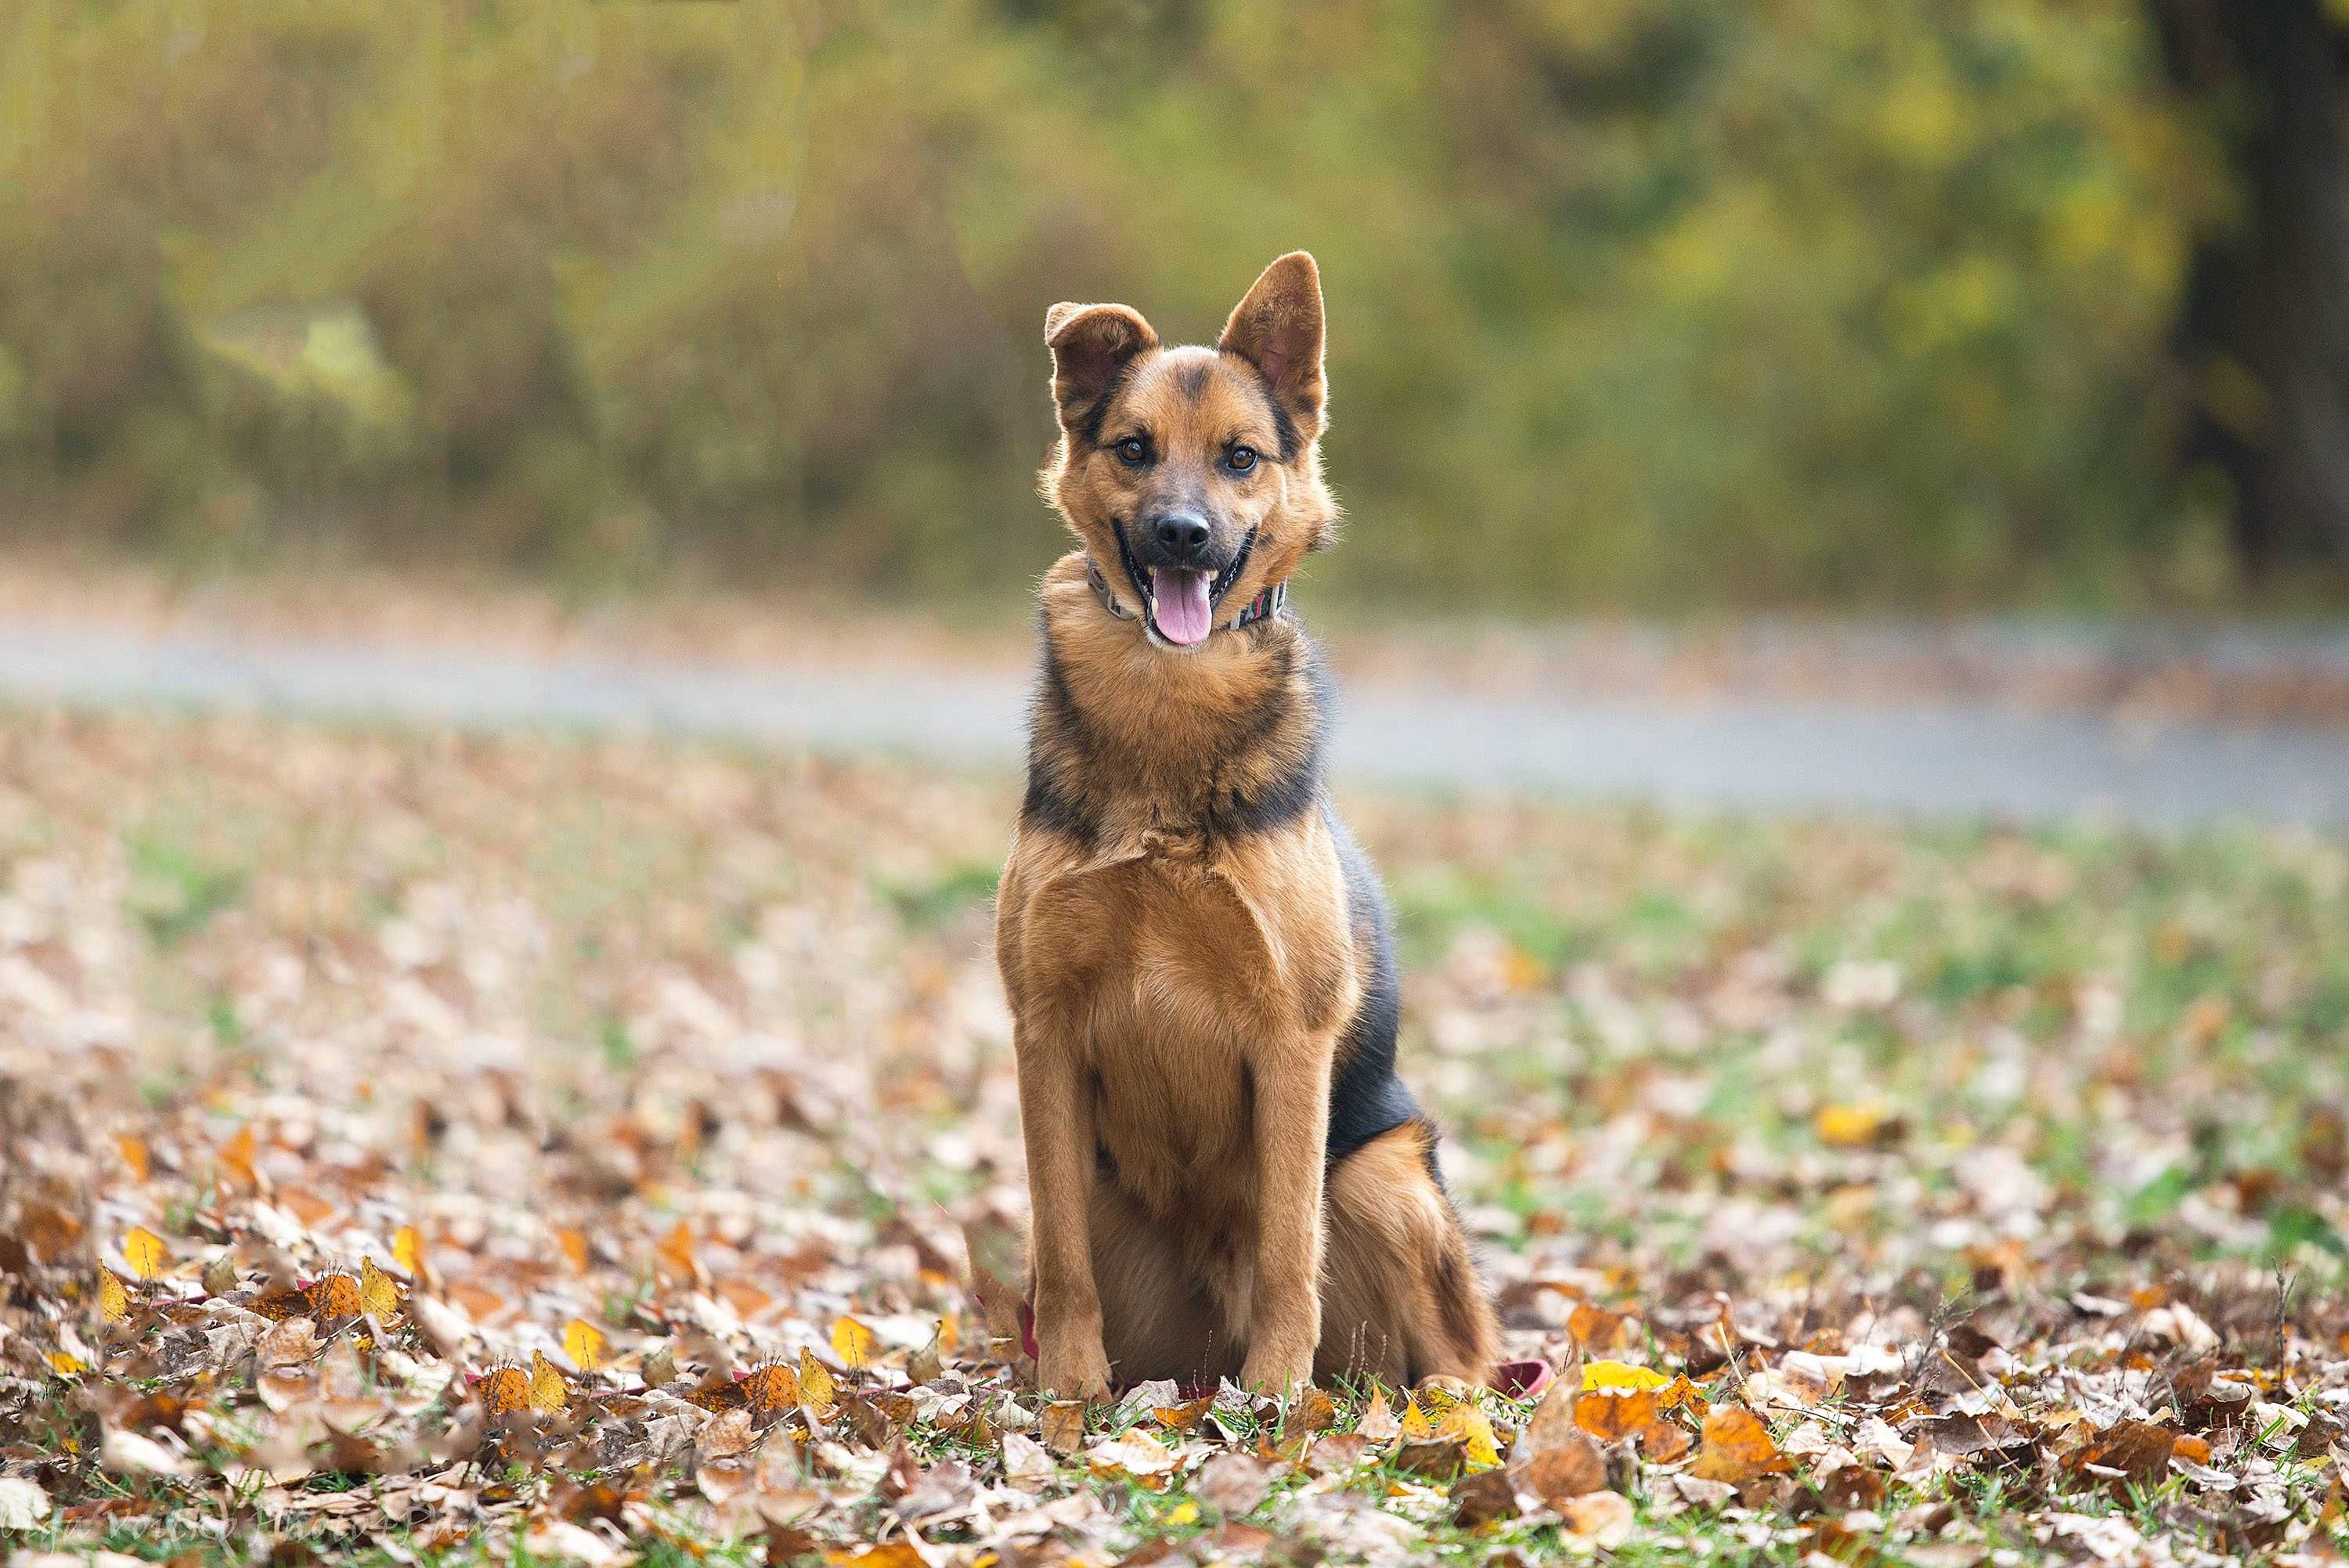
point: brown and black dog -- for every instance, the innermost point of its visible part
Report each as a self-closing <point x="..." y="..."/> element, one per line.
<point x="1226" y="1176"/>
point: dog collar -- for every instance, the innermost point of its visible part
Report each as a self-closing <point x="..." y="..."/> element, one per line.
<point x="1263" y="607"/>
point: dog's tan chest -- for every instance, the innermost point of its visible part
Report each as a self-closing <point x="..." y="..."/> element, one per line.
<point x="1181" y="992"/>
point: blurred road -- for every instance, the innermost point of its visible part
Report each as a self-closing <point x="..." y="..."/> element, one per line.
<point x="1937" y="760"/>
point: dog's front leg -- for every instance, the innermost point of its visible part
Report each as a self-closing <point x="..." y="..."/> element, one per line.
<point x="1292" y="1133"/>
<point x="1056" y="1118"/>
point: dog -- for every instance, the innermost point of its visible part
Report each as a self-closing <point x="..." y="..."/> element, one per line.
<point x="1226" y="1176"/>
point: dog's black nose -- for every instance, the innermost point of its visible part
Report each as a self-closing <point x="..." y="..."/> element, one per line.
<point x="1182" y="534"/>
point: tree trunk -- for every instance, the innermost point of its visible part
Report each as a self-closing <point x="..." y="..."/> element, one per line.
<point x="2265" y="328"/>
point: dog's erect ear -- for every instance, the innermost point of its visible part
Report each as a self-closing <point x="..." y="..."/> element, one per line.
<point x="1090" y="344"/>
<point x="1278" y="328"/>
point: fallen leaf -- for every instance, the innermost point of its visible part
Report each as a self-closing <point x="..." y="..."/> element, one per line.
<point x="113" y="1299"/>
<point x="1486" y="1497"/>
<point x="378" y="1296"/>
<point x="23" y="1503"/>
<point x="1601" y="1517"/>
<point x="408" y="1251"/>
<point x="1598" y="1374"/>
<point x="1025" y="1463"/>
<point x="547" y="1391"/>
<point x="237" y="1154"/>
<point x="1185" y="1416"/>
<point x="1436" y="1459"/>
<point x="1378" y="1423"/>
<point x="133" y="1150"/>
<point x="1063" y="1422"/>
<point x="1616" y="1418"/>
<point x="1737" y="1447"/>
<point x="817" y="1387"/>
<point x="2140" y="1450"/>
<point x="1234" y="1484"/>
<point x="585" y="1344"/>
<point x="129" y="1453"/>
<point x="335" y="1295"/>
<point x="853" y="1343"/>
<point x="1849" y="1126"/>
<point x="144" y="1251"/>
<point x="1468" y="1424"/>
<point x="1314" y="1411"/>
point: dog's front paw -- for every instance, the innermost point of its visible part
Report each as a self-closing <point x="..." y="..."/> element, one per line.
<point x="1079" y="1371"/>
<point x="1272" y="1369"/>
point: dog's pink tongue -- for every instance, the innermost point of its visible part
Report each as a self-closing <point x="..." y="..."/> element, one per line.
<point x="1180" y="607"/>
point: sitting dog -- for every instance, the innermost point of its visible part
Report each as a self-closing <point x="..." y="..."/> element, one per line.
<point x="1227" y="1178"/>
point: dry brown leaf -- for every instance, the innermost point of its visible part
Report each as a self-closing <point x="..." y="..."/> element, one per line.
<point x="1378" y="1423"/>
<point x="1484" y="1498"/>
<point x="1233" y="1484"/>
<point x="1064" y="1423"/>
<point x="1435" y="1458"/>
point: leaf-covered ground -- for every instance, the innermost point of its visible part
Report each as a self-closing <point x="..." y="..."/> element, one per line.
<point x="422" y="1149"/>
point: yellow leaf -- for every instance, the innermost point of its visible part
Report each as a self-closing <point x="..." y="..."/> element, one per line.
<point x="547" y="1392"/>
<point x="1468" y="1423"/>
<point x="1182" y="1513"/>
<point x="817" y="1386"/>
<point x="144" y="1251"/>
<point x="378" y="1295"/>
<point x="1849" y="1126"/>
<point x="66" y="1366"/>
<point x="1417" y="1426"/>
<point x="853" y="1343"/>
<point x="583" y="1343"/>
<point x="1620" y="1375"/>
<point x="113" y="1301"/>
<point x="408" y="1251"/>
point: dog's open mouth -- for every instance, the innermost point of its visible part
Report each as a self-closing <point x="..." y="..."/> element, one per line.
<point x="1179" y="603"/>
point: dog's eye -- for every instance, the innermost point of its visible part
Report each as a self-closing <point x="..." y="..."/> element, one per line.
<point x="1242" y="459"/>
<point x="1134" y="451"/>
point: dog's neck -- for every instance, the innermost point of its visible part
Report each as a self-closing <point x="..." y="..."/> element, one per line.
<point x="1162" y="733"/>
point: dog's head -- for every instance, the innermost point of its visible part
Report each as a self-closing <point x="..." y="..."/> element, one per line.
<point x="1192" y="475"/>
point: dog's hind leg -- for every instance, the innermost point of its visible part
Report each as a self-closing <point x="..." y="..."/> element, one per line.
<point x="1401" y="1299"/>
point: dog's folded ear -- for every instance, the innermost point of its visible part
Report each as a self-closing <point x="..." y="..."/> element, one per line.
<point x="1278" y="328"/>
<point x="1091" y="345"/>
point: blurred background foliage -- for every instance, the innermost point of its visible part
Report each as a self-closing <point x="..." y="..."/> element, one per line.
<point x="1645" y="304"/>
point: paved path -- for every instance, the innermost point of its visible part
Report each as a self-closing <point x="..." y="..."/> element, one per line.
<point x="1744" y="753"/>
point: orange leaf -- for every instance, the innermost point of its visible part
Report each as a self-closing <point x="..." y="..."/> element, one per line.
<point x="1737" y="1447"/>
<point x="133" y="1150"/>
<point x="574" y="1247"/>
<point x="1615" y="1417"/>
<point x="675" y="1250"/>
<point x="1063" y="1425"/>
<point x="337" y="1296"/>
<point x="504" y="1390"/>
<point x="772" y="1387"/>
<point x="238" y="1155"/>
